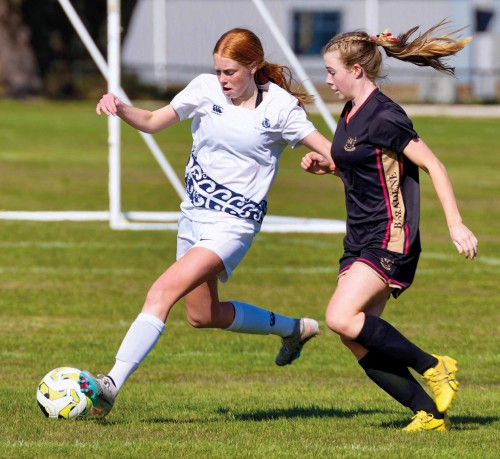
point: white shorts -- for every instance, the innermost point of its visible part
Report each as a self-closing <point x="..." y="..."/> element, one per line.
<point x="229" y="237"/>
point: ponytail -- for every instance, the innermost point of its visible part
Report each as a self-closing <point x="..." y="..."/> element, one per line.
<point x="282" y="76"/>
<point x="424" y="51"/>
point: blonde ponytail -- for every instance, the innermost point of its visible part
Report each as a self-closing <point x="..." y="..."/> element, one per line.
<point x="424" y="51"/>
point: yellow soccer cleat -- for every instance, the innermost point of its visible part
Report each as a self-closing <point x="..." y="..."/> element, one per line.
<point x="426" y="421"/>
<point x="442" y="381"/>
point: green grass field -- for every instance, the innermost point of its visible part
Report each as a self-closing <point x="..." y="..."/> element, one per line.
<point x="70" y="290"/>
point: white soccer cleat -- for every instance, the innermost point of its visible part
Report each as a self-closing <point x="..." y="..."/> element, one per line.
<point x="292" y="345"/>
<point x="101" y="390"/>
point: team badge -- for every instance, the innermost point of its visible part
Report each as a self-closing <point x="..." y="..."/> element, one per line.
<point x="350" y="145"/>
<point x="386" y="263"/>
<point x="266" y="123"/>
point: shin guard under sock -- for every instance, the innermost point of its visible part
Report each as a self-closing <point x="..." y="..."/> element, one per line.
<point x="378" y="335"/>
<point x="140" y="339"/>
<point x="254" y="320"/>
<point x="398" y="382"/>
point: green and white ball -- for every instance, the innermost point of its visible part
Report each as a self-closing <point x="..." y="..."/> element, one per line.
<point x="59" y="395"/>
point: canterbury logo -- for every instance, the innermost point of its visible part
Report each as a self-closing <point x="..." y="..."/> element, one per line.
<point x="386" y="263"/>
<point x="217" y="109"/>
<point x="350" y="145"/>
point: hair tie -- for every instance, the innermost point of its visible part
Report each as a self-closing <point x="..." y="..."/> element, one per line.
<point x="385" y="36"/>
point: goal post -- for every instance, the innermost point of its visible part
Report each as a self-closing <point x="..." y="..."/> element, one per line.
<point x="119" y="219"/>
<point x="142" y="220"/>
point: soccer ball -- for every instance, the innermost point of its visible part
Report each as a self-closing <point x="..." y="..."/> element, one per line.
<point x="59" y="395"/>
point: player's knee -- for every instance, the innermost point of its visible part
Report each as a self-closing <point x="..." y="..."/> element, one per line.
<point x="333" y="322"/>
<point x="338" y="323"/>
<point x="201" y="320"/>
<point x="199" y="316"/>
<point x="197" y="321"/>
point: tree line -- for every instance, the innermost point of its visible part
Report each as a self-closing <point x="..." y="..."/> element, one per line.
<point x="40" y="52"/>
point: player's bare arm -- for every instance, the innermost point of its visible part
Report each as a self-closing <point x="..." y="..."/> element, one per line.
<point x="143" y="120"/>
<point x="319" y="161"/>
<point x="419" y="153"/>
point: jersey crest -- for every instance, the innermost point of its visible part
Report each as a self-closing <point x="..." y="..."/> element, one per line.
<point x="386" y="263"/>
<point x="350" y="144"/>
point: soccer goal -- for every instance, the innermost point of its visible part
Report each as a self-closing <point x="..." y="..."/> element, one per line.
<point x="138" y="220"/>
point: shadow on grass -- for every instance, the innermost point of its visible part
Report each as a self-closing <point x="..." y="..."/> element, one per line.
<point x="275" y="414"/>
<point x="459" y="423"/>
<point x="302" y="412"/>
<point x="259" y="416"/>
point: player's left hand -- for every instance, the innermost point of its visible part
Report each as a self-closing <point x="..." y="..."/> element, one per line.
<point x="464" y="240"/>
<point x="315" y="163"/>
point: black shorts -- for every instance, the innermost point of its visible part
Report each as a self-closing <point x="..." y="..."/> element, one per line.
<point x="396" y="269"/>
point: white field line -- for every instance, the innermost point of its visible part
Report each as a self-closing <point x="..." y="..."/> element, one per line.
<point x="482" y="261"/>
<point x="67" y="271"/>
<point x="67" y="245"/>
<point x="333" y="270"/>
<point x="491" y="261"/>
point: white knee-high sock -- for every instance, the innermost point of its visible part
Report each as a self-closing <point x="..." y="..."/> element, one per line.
<point x="253" y="320"/>
<point x="138" y="342"/>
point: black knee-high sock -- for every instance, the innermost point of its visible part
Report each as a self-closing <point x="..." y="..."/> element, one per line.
<point x="398" y="382"/>
<point x="378" y="335"/>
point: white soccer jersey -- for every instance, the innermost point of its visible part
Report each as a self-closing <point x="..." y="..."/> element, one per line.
<point x="234" y="158"/>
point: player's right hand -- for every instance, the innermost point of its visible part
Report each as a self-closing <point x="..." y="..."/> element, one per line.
<point x="108" y="104"/>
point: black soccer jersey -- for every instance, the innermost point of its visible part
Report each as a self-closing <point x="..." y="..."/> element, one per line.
<point x="381" y="184"/>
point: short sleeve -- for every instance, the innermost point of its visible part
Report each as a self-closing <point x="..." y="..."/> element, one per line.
<point x="189" y="99"/>
<point x="391" y="128"/>
<point x="296" y="126"/>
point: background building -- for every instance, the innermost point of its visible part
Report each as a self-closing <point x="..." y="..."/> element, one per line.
<point x="170" y="41"/>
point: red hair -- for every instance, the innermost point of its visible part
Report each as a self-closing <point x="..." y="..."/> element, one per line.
<point x="244" y="47"/>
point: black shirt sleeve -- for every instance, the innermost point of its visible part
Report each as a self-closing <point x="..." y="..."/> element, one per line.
<point x="391" y="128"/>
